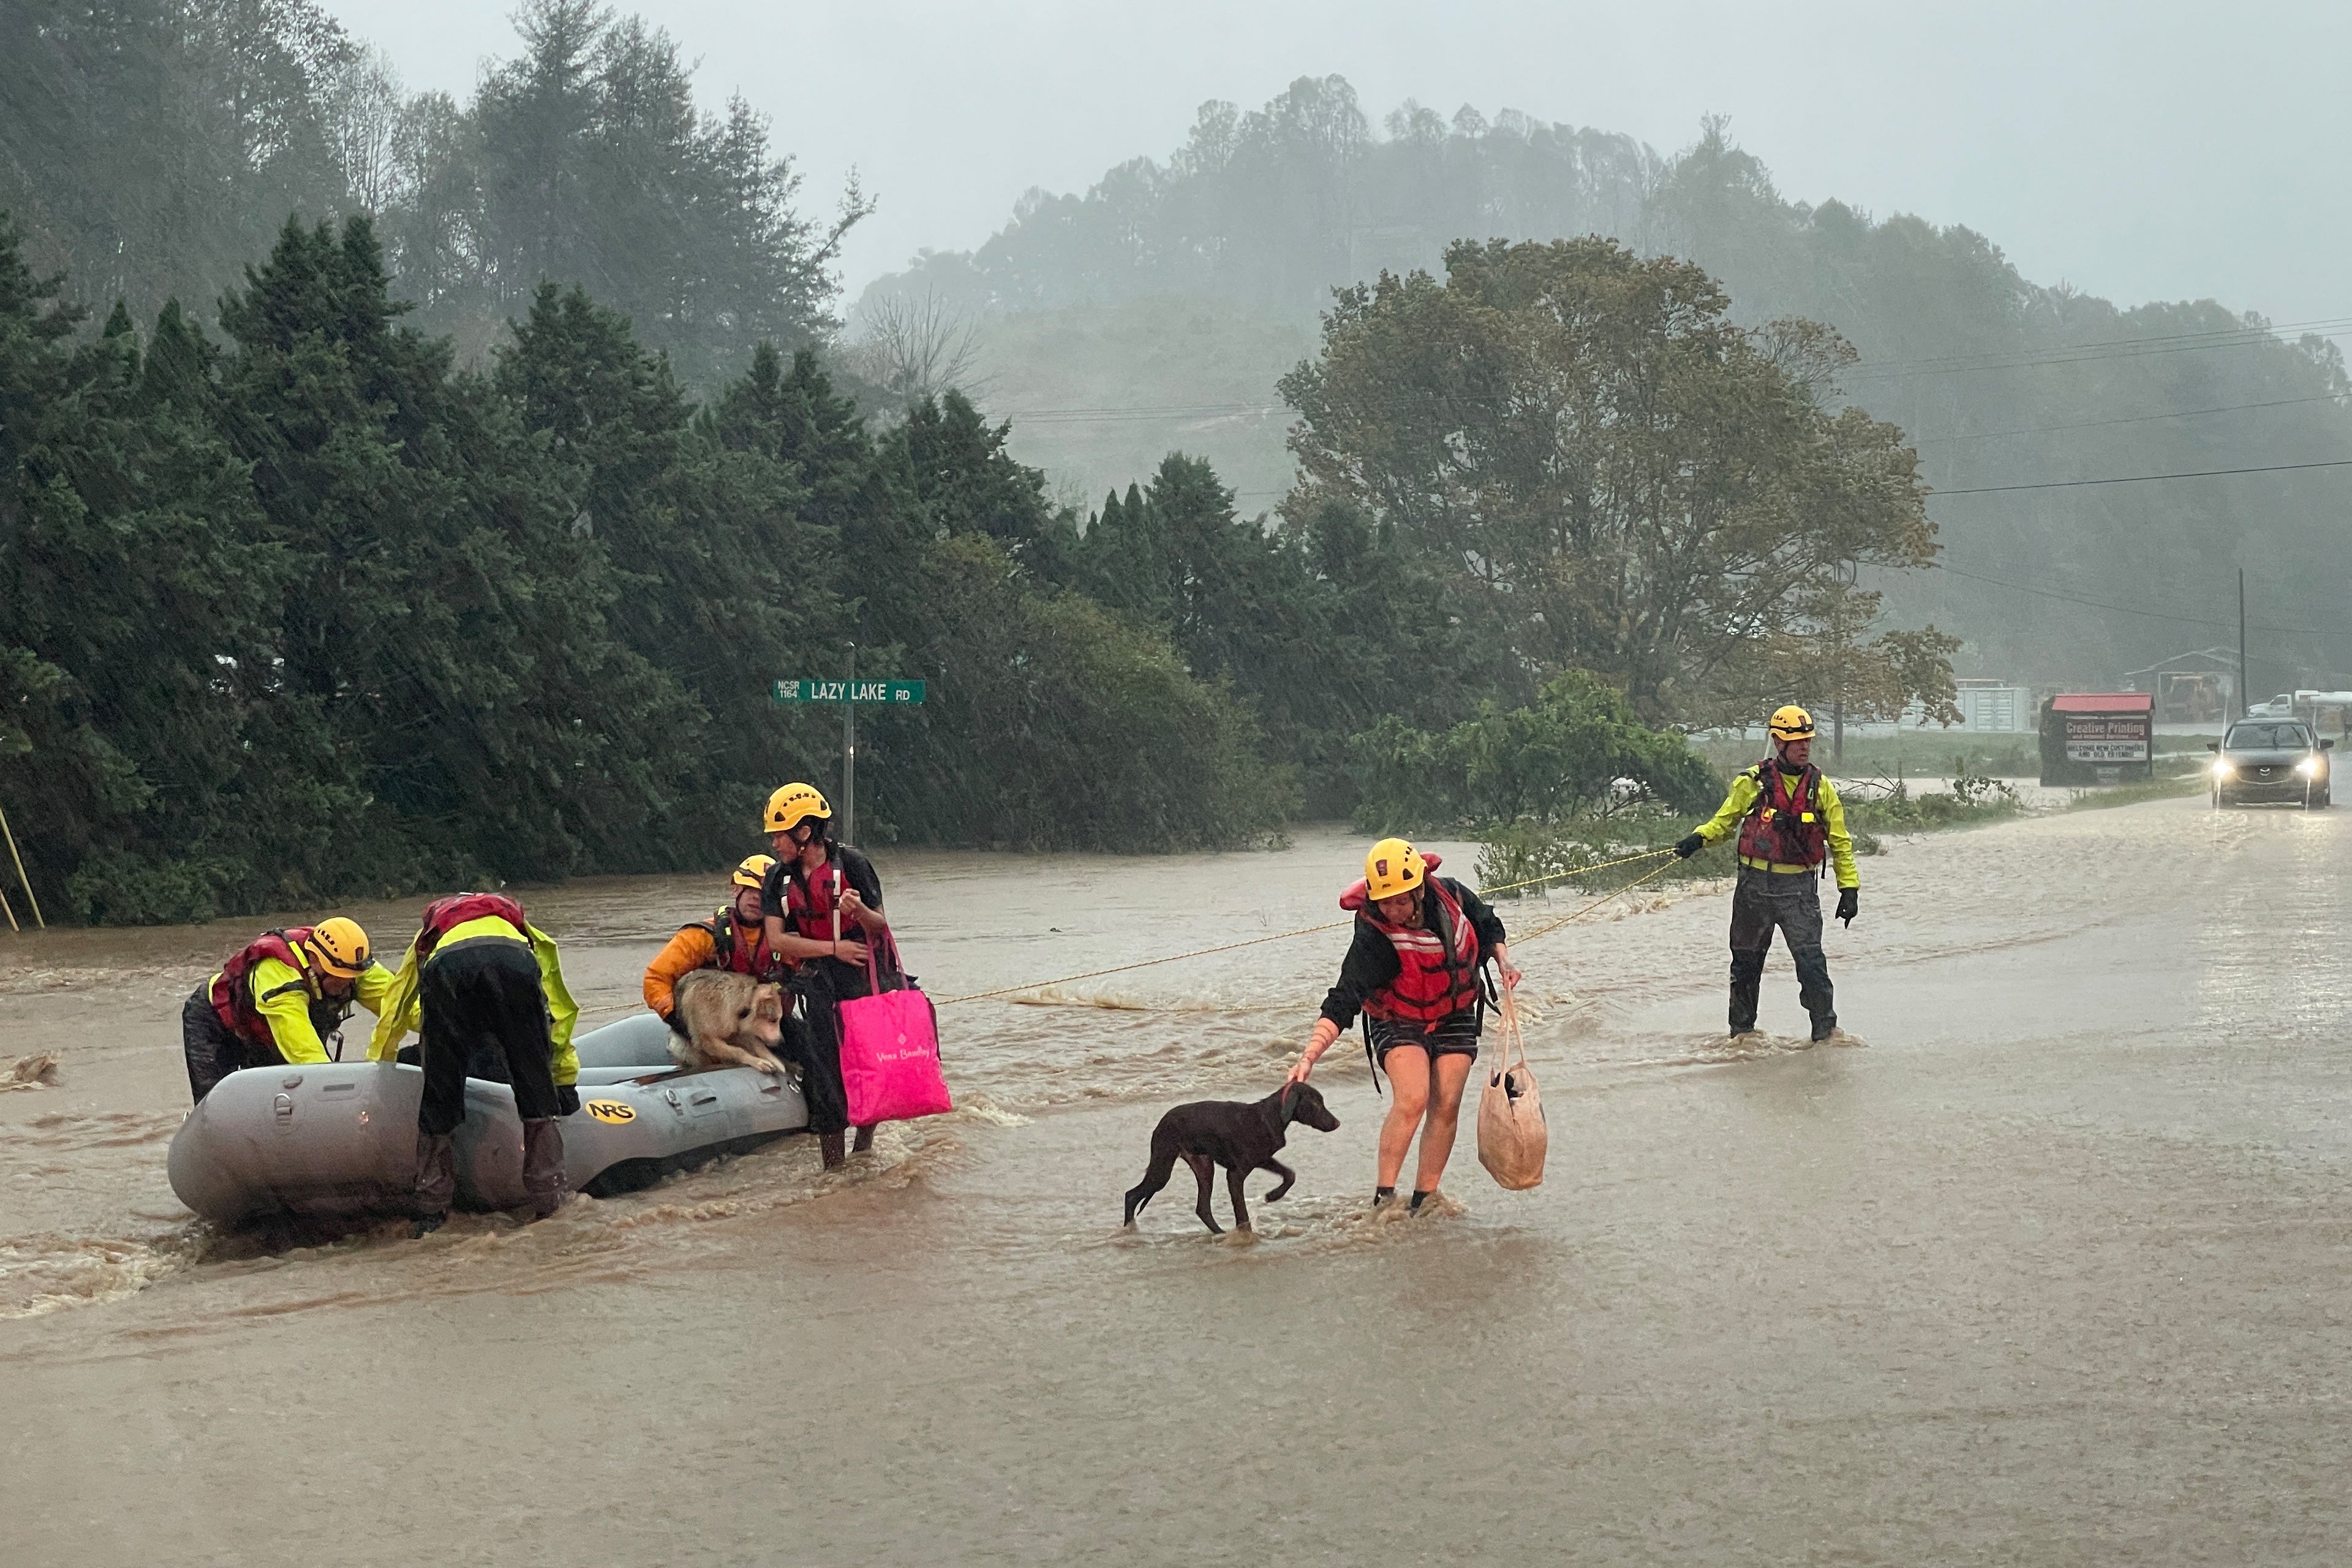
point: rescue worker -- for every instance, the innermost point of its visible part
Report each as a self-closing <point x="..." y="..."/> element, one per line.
<point x="822" y="901"/>
<point x="1790" y="820"/>
<point x="278" y="999"/>
<point x="479" y="973"/>
<point x="1413" y="970"/>
<point x="735" y="937"/>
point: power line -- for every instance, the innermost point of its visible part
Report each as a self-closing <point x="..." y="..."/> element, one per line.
<point x="1944" y="364"/>
<point x="2123" y="348"/>
<point x="2120" y="609"/>
<point x="2079" y="484"/>
<point x="2148" y="478"/>
<point x="2132" y="419"/>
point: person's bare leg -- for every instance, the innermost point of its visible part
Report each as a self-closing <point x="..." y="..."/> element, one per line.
<point x="1408" y="1070"/>
<point x="1453" y="1071"/>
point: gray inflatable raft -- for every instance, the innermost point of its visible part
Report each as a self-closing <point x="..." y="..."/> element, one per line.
<point x="339" y="1138"/>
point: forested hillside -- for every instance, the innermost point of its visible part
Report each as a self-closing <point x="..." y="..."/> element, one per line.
<point x="311" y="608"/>
<point x="1124" y="317"/>
<point x="150" y="150"/>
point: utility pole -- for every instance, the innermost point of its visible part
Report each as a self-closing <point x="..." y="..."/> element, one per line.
<point x="2242" y="642"/>
<point x="849" y="757"/>
<point x="1837" y="703"/>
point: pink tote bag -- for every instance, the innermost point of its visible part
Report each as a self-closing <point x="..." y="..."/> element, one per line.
<point x="890" y="1051"/>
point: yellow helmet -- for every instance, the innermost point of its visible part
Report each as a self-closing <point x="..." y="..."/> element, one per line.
<point x="340" y="947"/>
<point x="1791" y="723"/>
<point x="792" y="803"/>
<point x="752" y="871"/>
<point x="1393" y="866"/>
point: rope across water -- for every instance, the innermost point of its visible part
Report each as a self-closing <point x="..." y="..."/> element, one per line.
<point x="1335" y="925"/>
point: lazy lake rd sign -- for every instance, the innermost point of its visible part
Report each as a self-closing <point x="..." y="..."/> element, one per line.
<point x="881" y="691"/>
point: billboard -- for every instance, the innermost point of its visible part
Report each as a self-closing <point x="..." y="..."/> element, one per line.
<point x="2098" y="738"/>
<point x="2106" y="737"/>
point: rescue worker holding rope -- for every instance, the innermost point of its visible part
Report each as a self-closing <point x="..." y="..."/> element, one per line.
<point x="481" y="976"/>
<point x="735" y="937"/>
<point x="1790" y="821"/>
<point x="1413" y="970"/>
<point x="823" y="904"/>
<point x="278" y="999"/>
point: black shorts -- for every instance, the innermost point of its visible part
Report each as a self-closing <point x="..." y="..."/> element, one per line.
<point x="1456" y="1035"/>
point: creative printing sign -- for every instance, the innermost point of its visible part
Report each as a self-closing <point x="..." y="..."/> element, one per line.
<point x="2107" y="737"/>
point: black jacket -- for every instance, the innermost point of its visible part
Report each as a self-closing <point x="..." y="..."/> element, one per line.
<point x="1371" y="960"/>
<point x="846" y="979"/>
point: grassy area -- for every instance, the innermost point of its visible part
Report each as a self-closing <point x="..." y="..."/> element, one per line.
<point x="1973" y="801"/>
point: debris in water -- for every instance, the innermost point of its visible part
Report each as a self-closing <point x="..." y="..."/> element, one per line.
<point x="38" y="1071"/>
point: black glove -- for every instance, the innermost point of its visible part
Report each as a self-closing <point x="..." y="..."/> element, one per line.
<point x="1687" y="847"/>
<point x="567" y="1101"/>
<point x="1849" y="904"/>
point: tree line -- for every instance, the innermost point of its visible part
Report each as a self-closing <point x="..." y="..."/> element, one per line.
<point x="150" y="149"/>
<point x="312" y="606"/>
<point x="312" y="609"/>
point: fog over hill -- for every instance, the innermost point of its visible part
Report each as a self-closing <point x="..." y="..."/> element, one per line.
<point x="1155" y="310"/>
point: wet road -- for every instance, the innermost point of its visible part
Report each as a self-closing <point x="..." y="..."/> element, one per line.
<point x="2054" y="1268"/>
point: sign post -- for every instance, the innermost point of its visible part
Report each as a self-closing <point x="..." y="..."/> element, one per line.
<point x="849" y="693"/>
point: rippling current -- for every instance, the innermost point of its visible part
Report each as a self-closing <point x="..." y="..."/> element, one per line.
<point x="2050" y="1267"/>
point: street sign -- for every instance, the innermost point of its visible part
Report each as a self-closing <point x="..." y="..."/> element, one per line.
<point x="809" y="689"/>
<point x="851" y="694"/>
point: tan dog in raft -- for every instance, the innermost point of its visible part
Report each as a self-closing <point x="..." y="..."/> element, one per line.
<point x="722" y="1019"/>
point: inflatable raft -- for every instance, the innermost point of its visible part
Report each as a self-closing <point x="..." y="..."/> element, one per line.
<point x="339" y="1138"/>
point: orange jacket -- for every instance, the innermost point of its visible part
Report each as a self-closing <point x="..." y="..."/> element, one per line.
<point x="691" y="949"/>
<point x="697" y="947"/>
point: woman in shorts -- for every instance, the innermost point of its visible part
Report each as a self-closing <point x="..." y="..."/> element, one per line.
<point x="1413" y="971"/>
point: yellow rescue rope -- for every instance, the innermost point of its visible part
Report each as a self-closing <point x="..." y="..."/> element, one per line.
<point x="1334" y="925"/>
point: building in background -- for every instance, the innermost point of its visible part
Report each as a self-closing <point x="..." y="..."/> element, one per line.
<point x="2196" y="689"/>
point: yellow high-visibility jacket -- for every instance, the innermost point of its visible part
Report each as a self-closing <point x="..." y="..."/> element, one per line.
<point x="284" y="1001"/>
<point x="1747" y="785"/>
<point x="403" y="1002"/>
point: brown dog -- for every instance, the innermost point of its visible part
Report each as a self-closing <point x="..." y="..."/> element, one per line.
<point x="725" y="1019"/>
<point x="1239" y="1135"/>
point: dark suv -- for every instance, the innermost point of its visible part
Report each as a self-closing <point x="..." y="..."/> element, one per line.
<point x="2276" y="760"/>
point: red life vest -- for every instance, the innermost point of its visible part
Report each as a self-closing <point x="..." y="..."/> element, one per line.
<point x="232" y="996"/>
<point x="1785" y="826"/>
<point x="727" y="951"/>
<point x="1438" y="963"/>
<point x="443" y="915"/>
<point x="808" y="902"/>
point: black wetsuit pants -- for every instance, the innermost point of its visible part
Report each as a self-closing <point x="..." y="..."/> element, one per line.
<point x="824" y="985"/>
<point x="212" y="1051"/>
<point x="484" y="994"/>
<point x="1792" y="902"/>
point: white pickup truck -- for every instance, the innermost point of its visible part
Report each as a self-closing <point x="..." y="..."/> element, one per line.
<point x="2300" y="705"/>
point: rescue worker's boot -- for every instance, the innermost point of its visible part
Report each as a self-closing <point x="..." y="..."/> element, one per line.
<point x="436" y="1178"/>
<point x="831" y="1145"/>
<point x="863" y="1143"/>
<point x="1815" y="990"/>
<point x="542" y="1164"/>
<point x="1746" y="987"/>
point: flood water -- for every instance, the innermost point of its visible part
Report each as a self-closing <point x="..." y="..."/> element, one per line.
<point x="2050" y="1265"/>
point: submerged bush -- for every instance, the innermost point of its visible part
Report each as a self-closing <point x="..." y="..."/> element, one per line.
<point x="1579" y="753"/>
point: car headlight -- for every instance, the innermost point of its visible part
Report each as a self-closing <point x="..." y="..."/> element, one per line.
<point x="2308" y="767"/>
<point x="2222" y="770"/>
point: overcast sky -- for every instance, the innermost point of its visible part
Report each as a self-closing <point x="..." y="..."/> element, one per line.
<point x="2142" y="151"/>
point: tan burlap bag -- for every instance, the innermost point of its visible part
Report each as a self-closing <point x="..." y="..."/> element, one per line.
<point x="1511" y="1133"/>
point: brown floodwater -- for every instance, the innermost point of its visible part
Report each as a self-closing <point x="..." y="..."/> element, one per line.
<point x="2050" y="1265"/>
